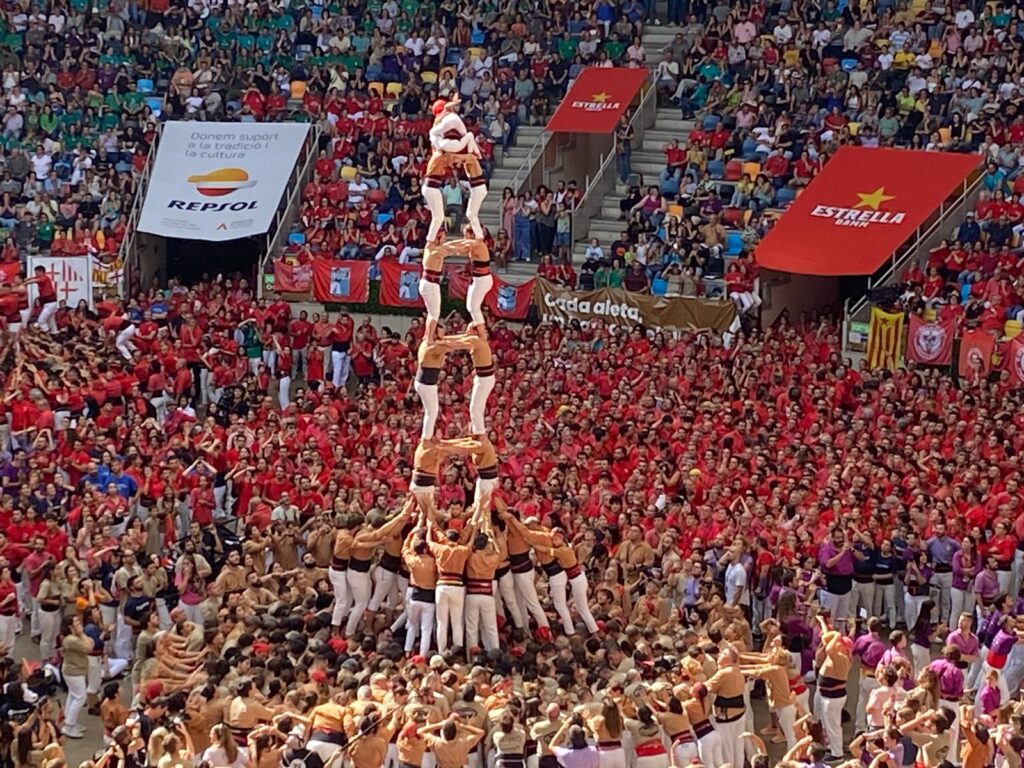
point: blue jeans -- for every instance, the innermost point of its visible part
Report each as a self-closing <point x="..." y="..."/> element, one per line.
<point x="522" y="243"/>
<point x="622" y="161"/>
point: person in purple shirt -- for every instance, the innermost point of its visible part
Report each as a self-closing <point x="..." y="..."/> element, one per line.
<point x="951" y="687"/>
<point x="986" y="585"/>
<point x="966" y="564"/>
<point x="835" y="557"/>
<point x="940" y="549"/>
<point x="868" y="649"/>
<point x="965" y="641"/>
<point x="999" y="652"/>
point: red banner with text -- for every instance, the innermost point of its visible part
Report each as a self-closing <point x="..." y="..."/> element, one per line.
<point x="400" y="284"/>
<point x="343" y="282"/>
<point x="860" y="209"/>
<point x="931" y="343"/>
<point x="596" y="100"/>
<point x="1014" y="359"/>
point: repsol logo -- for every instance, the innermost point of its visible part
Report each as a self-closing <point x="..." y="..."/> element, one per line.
<point x="241" y="205"/>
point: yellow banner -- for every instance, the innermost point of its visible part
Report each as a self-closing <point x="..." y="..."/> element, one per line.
<point x="885" y="339"/>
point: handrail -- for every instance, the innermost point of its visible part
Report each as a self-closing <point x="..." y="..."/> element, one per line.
<point x="525" y="169"/>
<point x="637" y="121"/>
<point x="124" y="253"/>
<point x="296" y="183"/>
<point x="910" y="252"/>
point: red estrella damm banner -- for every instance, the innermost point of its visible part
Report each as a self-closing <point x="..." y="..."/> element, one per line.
<point x="863" y="206"/>
<point x="597" y="99"/>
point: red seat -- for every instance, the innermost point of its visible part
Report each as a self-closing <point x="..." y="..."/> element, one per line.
<point x="732" y="216"/>
<point x="734" y="170"/>
<point x="376" y="196"/>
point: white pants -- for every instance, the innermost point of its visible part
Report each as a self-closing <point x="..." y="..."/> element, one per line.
<point x="1005" y="578"/>
<point x="49" y="629"/>
<point x="451" y="602"/>
<point x="787" y="719"/>
<point x="867" y="685"/>
<point x="942" y="583"/>
<point x="284" y="392"/>
<point x="580" y="594"/>
<point x="481" y="619"/>
<point x="48" y="317"/>
<point x="838" y="606"/>
<point x="529" y="603"/>
<point x="94" y="678"/>
<point x="686" y="753"/>
<point x="339" y="582"/>
<point x="732" y="744"/>
<point x="832" y="719"/>
<point x="885" y="603"/>
<point x="710" y="749"/>
<point x="434" y="199"/>
<point x="556" y="587"/>
<point x="505" y="599"/>
<point x="482" y="388"/>
<point x="359" y="589"/>
<point x="478" y="289"/>
<point x="431" y="408"/>
<point x="651" y="761"/>
<point x="193" y="613"/>
<point x="341" y="364"/>
<point x="862" y="596"/>
<point x="477" y="194"/>
<point x="8" y="631"/>
<point x="431" y="294"/>
<point x="920" y="656"/>
<point x="420" y="622"/>
<point x="124" y="342"/>
<point x="75" y="701"/>
<point x="960" y="601"/>
<point x="612" y="758"/>
<point x="386" y="588"/>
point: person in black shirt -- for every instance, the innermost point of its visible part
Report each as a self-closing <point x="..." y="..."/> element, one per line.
<point x="884" y="565"/>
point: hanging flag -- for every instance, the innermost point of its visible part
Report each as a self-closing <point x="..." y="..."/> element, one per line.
<point x="292" y="278"/>
<point x="931" y="343"/>
<point x="885" y="339"/>
<point x="509" y="302"/>
<point x="976" y="348"/>
<point x="341" y="282"/>
<point x="458" y="282"/>
<point x="1015" y="360"/>
<point x="400" y="284"/>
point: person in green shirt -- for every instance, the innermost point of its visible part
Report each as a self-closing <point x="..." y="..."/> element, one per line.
<point x="252" y="343"/>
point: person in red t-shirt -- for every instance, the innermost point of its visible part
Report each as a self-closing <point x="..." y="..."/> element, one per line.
<point x="47" y="299"/>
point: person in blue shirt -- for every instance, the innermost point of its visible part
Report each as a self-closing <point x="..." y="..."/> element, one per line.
<point x="126" y="485"/>
<point x="994" y="178"/>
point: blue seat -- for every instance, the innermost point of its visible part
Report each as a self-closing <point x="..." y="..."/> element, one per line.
<point x="848" y="65"/>
<point x="717" y="169"/>
<point x="711" y="122"/>
<point x="659" y="286"/>
<point x="784" y="197"/>
<point x="145" y="85"/>
<point x="156" y="104"/>
<point x="477" y="37"/>
<point x="670" y="187"/>
<point x="383" y="218"/>
<point x="122" y="167"/>
<point x="733" y="244"/>
<point x="297" y="238"/>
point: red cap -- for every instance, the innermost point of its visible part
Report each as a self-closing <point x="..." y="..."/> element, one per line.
<point x="418" y="659"/>
<point x="339" y="644"/>
<point x="438" y="107"/>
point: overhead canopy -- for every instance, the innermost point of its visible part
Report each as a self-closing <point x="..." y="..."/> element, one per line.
<point x="597" y="99"/>
<point x="862" y="207"/>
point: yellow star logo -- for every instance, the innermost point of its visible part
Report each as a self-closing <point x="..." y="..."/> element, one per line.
<point x="602" y="97"/>
<point x="874" y="199"/>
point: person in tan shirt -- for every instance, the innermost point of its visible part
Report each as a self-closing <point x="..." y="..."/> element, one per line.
<point x="484" y="377"/>
<point x="483" y="280"/>
<point x="728" y="687"/>
<point x="430" y="286"/>
<point x="484" y="558"/>
<point x="338" y="576"/>
<point x="521" y="567"/>
<point x="832" y="676"/>
<point x="421" y="604"/>
<point x="774" y="668"/>
<point x="451" y="749"/>
<point x="390" y="578"/>
<point x="430" y="359"/>
<point x="358" y="573"/>
<point x="451" y="556"/>
<point x="369" y="749"/>
<point x="634" y="553"/>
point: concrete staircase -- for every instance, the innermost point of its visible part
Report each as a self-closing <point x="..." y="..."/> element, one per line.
<point x="648" y="161"/>
<point x="503" y="173"/>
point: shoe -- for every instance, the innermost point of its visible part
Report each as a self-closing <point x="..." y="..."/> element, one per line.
<point x="73" y="733"/>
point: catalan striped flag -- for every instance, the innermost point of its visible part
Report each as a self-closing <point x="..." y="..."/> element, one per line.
<point x="885" y="339"/>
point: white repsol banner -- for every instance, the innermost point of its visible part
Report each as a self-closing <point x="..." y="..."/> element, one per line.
<point x="219" y="181"/>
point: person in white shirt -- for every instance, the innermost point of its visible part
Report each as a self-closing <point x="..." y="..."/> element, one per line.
<point x="449" y="136"/>
<point x="41" y="163"/>
<point x="964" y="17"/>
<point x="783" y="32"/>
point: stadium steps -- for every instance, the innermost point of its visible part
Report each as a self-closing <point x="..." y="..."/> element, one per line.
<point x="503" y="173"/>
<point x="647" y="161"/>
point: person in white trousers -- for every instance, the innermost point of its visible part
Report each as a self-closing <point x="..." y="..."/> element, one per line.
<point x="576" y="580"/>
<point x="47" y="299"/>
<point x="832" y="677"/>
<point x="123" y="341"/>
<point x="422" y="599"/>
<point x="378" y="533"/>
<point x="451" y="559"/>
<point x="9" y="620"/>
<point x="430" y="284"/>
<point x="430" y="358"/>
<point x="453" y="144"/>
<point x="966" y="565"/>
<point x="484" y="380"/>
<point x="521" y="567"/>
<point x="481" y="611"/>
<point x="337" y="574"/>
<point x="76" y="648"/>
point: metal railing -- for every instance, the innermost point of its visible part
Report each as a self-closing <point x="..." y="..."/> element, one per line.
<point x="931" y="231"/>
<point x="127" y="253"/>
<point x="280" y="225"/>
<point x="597" y="186"/>
<point x="524" y="173"/>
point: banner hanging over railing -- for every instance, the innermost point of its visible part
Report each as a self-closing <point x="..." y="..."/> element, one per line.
<point x="219" y="181"/>
<point x="597" y="99"/>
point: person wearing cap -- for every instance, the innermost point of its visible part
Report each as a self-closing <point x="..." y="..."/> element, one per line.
<point x="450" y="555"/>
<point x="421" y="605"/>
<point x="523" y="577"/>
